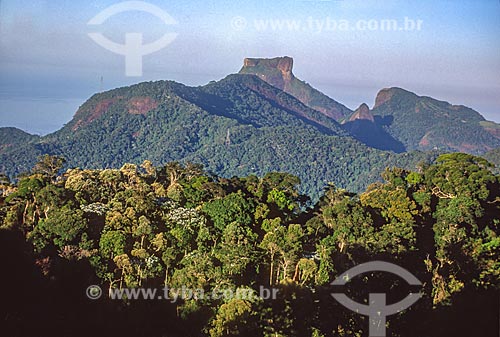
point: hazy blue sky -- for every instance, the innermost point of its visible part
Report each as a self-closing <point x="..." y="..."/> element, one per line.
<point x="49" y="65"/>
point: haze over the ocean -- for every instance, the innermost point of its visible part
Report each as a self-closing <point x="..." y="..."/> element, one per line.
<point x="49" y="65"/>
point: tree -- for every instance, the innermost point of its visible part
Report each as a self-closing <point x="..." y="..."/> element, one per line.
<point x="348" y="223"/>
<point x="49" y="166"/>
<point x="62" y="227"/>
<point x="237" y="249"/>
<point x="465" y="193"/>
<point x="236" y="317"/>
<point x="392" y="204"/>
<point x="285" y="243"/>
<point x="112" y="243"/>
<point x="232" y="208"/>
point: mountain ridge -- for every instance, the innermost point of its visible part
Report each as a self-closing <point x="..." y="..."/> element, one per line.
<point x="278" y="72"/>
<point x="424" y="123"/>
<point x="228" y="126"/>
<point x="242" y="125"/>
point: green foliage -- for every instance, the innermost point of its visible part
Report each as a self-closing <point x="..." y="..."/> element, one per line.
<point x="232" y="208"/>
<point x="49" y="166"/>
<point x="493" y="157"/>
<point x="280" y="199"/>
<point x="14" y="137"/>
<point x="112" y="244"/>
<point x="234" y="318"/>
<point x="238" y="126"/>
<point x="424" y="123"/>
<point x="241" y="234"/>
<point x="62" y="227"/>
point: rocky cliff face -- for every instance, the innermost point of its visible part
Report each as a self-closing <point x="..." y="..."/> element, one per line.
<point x="278" y="72"/>
<point x="362" y="113"/>
<point x="363" y="126"/>
<point x="492" y="128"/>
<point x="93" y="110"/>
<point x="283" y="64"/>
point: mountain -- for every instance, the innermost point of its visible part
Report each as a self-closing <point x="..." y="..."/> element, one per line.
<point x="399" y="121"/>
<point x="424" y="123"/>
<point x="237" y="126"/>
<point x="246" y="124"/>
<point x="491" y="127"/>
<point x="279" y="73"/>
<point x="493" y="157"/>
<point x="363" y="127"/>
<point x="362" y="113"/>
<point x="10" y="137"/>
<point x="21" y="150"/>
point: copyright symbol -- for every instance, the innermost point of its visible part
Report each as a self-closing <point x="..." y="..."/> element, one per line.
<point x="239" y="23"/>
<point x="94" y="292"/>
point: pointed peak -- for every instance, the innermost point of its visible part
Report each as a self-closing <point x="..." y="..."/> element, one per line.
<point x="363" y="107"/>
<point x="363" y="112"/>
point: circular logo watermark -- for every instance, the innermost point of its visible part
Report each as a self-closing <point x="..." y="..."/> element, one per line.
<point x="239" y="23"/>
<point x="94" y="292"/>
<point x="377" y="310"/>
<point x="133" y="49"/>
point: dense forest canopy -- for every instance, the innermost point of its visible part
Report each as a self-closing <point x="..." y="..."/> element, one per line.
<point x="177" y="225"/>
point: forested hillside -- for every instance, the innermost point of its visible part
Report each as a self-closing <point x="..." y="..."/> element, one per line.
<point x="177" y="225"/>
<point x="259" y="121"/>
<point x="425" y="123"/>
<point x="239" y="126"/>
<point x="493" y="157"/>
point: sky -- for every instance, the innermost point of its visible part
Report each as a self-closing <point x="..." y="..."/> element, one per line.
<point x="49" y="65"/>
